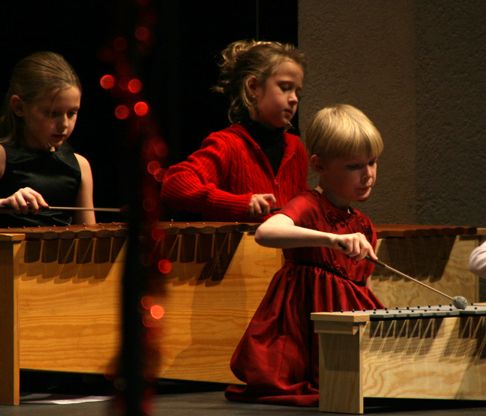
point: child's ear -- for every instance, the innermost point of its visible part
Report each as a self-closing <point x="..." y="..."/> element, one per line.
<point x="316" y="163"/>
<point x="17" y="105"/>
<point x="251" y="85"/>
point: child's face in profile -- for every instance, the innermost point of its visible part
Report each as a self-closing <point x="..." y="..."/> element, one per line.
<point x="348" y="179"/>
<point x="277" y="99"/>
<point x="49" y="120"/>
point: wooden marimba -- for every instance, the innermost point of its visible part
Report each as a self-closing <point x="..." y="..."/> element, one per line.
<point x="60" y="303"/>
<point x="432" y="352"/>
<point x="59" y="300"/>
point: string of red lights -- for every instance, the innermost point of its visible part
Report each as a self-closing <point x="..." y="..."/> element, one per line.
<point x="143" y="291"/>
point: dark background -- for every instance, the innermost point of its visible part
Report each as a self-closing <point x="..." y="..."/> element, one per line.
<point x="178" y="70"/>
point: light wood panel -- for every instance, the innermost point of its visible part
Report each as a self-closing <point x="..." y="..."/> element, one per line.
<point x="205" y="318"/>
<point x="69" y="318"/>
<point x="439" y="261"/>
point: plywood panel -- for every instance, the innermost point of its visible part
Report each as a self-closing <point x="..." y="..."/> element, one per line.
<point x="205" y="319"/>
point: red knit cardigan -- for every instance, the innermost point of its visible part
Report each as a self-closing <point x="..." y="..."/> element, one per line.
<point x="218" y="179"/>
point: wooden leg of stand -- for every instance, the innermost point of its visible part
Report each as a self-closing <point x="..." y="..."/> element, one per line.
<point x="340" y="375"/>
<point x="9" y="347"/>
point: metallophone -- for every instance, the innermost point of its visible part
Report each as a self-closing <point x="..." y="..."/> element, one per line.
<point x="408" y="351"/>
<point x="431" y="352"/>
<point x="59" y="292"/>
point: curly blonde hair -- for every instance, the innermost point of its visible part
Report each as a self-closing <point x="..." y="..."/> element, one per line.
<point x="245" y="58"/>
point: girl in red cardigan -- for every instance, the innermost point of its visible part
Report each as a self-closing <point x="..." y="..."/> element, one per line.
<point x="241" y="172"/>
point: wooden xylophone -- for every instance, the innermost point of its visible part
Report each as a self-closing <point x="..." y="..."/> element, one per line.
<point x="426" y="352"/>
<point x="59" y="300"/>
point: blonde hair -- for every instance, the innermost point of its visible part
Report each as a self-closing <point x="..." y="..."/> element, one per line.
<point x="33" y="77"/>
<point x="245" y="58"/>
<point x="342" y="131"/>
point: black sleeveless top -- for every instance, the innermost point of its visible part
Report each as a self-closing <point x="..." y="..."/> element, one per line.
<point x="55" y="175"/>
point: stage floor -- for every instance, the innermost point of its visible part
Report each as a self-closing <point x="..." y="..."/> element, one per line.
<point x="195" y="399"/>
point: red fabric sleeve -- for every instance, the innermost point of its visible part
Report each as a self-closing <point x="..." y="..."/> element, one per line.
<point x="193" y="185"/>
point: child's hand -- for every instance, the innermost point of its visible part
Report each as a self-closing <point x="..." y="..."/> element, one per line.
<point x="355" y="246"/>
<point x="260" y="204"/>
<point x="25" y="201"/>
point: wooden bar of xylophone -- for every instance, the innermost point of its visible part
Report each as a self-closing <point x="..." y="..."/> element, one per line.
<point x="431" y="352"/>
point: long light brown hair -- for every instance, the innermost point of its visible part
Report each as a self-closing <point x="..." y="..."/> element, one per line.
<point x="35" y="76"/>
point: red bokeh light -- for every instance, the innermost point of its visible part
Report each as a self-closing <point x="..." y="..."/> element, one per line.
<point x="122" y="112"/>
<point x="157" y="312"/>
<point x="141" y="108"/>
<point x="153" y="166"/>
<point x="142" y="33"/>
<point x="164" y="266"/>
<point x="107" y="81"/>
<point x="134" y="85"/>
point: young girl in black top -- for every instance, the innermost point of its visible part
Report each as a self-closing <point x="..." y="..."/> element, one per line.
<point x="37" y="167"/>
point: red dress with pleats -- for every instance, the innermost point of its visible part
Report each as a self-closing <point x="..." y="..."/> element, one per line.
<point x="277" y="356"/>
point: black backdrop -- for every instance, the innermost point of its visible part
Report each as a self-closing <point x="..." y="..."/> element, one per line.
<point x="177" y="74"/>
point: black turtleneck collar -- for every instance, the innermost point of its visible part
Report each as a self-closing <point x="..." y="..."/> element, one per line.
<point x="271" y="141"/>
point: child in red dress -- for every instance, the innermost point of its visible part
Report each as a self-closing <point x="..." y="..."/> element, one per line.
<point x="241" y="172"/>
<point x="325" y="241"/>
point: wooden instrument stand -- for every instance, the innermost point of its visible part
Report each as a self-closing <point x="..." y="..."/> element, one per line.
<point x="407" y="355"/>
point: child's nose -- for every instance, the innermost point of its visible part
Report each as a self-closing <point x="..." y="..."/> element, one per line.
<point x="368" y="174"/>
<point x="62" y="122"/>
